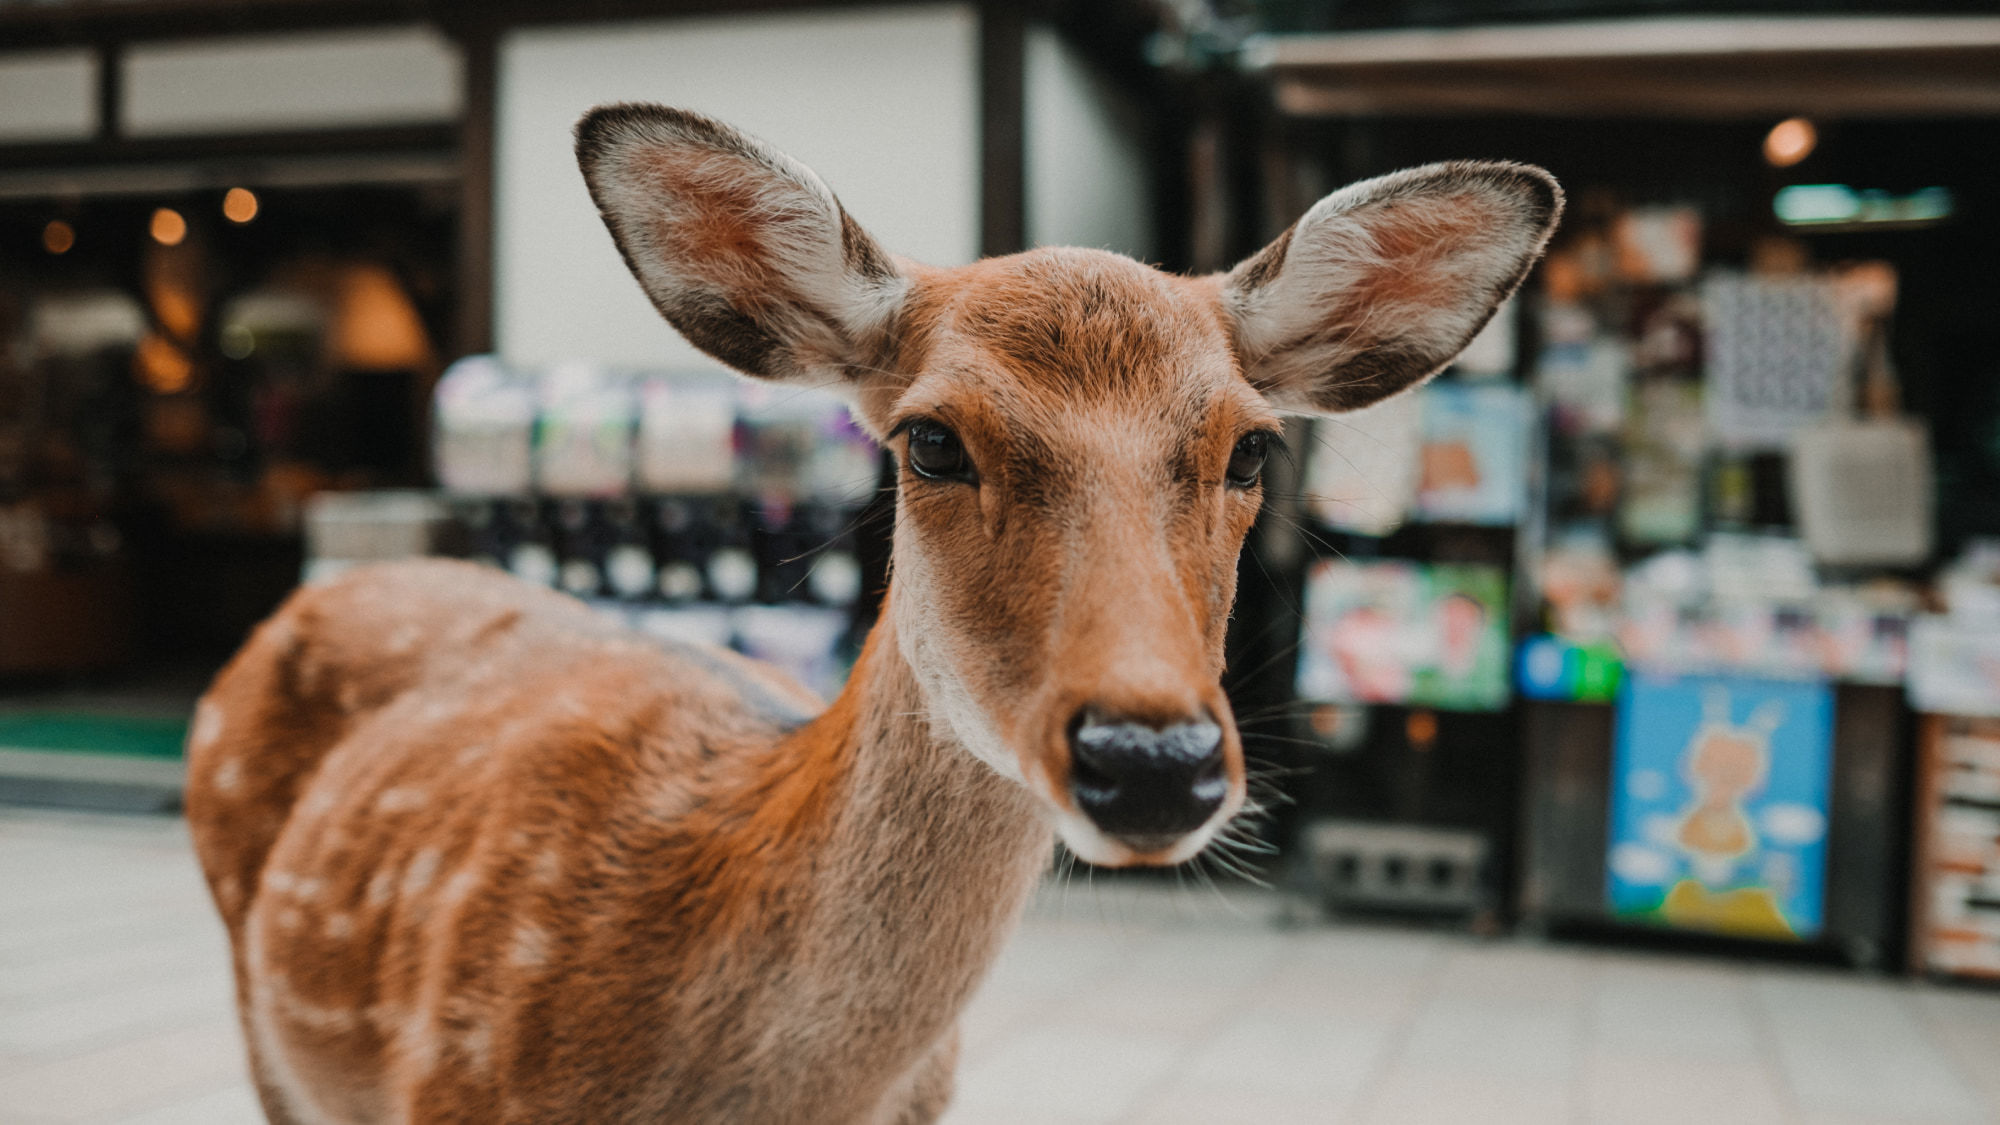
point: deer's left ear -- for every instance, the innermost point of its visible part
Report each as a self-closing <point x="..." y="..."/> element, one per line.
<point x="739" y="246"/>
<point x="1382" y="283"/>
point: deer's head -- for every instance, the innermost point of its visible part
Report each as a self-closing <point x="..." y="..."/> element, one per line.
<point x="1081" y="437"/>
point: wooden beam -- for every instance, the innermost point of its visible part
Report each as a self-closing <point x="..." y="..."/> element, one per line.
<point x="474" y="330"/>
<point x="1721" y="68"/>
<point x="1625" y="39"/>
<point x="1003" y="193"/>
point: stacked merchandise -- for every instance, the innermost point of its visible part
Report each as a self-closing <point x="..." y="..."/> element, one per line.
<point x="1405" y="637"/>
<point x="1421" y="629"/>
<point x="691" y="506"/>
<point x="1719" y="545"/>
<point x="1955" y="680"/>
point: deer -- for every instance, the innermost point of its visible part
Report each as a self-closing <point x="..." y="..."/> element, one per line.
<point x="483" y="857"/>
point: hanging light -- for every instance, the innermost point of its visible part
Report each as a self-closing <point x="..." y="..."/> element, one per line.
<point x="1789" y="142"/>
<point x="58" y="237"/>
<point x="240" y="205"/>
<point x="169" y="227"/>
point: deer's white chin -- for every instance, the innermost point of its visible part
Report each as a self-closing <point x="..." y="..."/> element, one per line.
<point x="1090" y="844"/>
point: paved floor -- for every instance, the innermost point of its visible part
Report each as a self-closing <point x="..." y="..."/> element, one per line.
<point x="1121" y="1004"/>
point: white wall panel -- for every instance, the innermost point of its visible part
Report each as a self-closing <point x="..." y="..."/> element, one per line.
<point x="1088" y="170"/>
<point x="48" y="96"/>
<point x="395" y="76"/>
<point x="882" y="103"/>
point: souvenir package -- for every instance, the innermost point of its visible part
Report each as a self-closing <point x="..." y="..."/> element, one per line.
<point x="687" y="434"/>
<point x="485" y="429"/>
<point x="1396" y="632"/>
<point x="1581" y="371"/>
<point x="1657" y="244"/>
<point x="1776" y="358"/>
<point x="1957" y="905"/>
<point x="1660" y="501"/>
<point x="1751" y="604"/>
<point x="1954" y="666"/>
<point x="1720" y="796"/>
<point x="796" y="445"/>
<point x="1581" y="582"/>
<point x="584" y="436"/>
<point x="1362" y="639"/>
<point x="1361" y="468"/>
<point x="1556" y="668"/>
<point x="1473" y="464"/>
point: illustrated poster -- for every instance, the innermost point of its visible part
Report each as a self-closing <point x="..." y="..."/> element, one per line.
<point x="1396" y="632"/>
<point x="1475" y="453"/>
<point x="1719" y="805"/>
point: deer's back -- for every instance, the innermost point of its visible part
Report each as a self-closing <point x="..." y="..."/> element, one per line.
<point x="459" y="830"/>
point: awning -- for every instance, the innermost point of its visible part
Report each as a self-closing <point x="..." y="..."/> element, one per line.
<point x="1711" y="67"/>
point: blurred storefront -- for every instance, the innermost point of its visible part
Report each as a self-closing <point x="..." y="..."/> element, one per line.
<point x="1695" y="491"/>
<point x="1668" y="608"/>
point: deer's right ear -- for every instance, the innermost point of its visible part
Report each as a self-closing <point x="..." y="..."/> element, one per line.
<point x="740" y="247"/>
<point x="1383" y="283"/>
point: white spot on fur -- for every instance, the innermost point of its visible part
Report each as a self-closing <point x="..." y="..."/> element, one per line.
<point x="207" y="726"/>
<point x="318" y="803"/>
<point x="382" y="888"/>
<point x="228" y="892"/>
<point x="402" y="798"/>
<point x="530" y="947"/>
<point x="228" y="776"/>
<point x="279" y="882"/>
<point x="417" y="1042"/>
<point x="290" y="918"/>
<point x="471" y="754"/>
<point x="475" y="1043"/>
<point x="459" y="887"/>
<point x="423" y="868"/>
<point x="339" y="926"/>
<point x="548" y="867"/>
<point x="264" y="1019"/>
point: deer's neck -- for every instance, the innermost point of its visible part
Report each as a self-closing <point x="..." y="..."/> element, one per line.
<point x="928" y="858"/>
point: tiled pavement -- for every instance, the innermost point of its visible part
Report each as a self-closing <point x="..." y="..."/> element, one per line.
<point x="1122" y="1003"/>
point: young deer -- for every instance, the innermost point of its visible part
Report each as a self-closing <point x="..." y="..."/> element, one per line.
<point x="483" y="858"/>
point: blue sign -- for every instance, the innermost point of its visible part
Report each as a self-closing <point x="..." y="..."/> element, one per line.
<point x="1719" y="802"/>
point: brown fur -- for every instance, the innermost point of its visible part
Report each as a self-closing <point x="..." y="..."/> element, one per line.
<point x="484" y="858"/>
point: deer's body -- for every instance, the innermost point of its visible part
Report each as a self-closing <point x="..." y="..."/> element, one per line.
<point x="485" y="859"/>
<point x="532" y="868"/>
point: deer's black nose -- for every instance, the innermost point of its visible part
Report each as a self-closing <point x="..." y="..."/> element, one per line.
<point x="1147" y="786"/>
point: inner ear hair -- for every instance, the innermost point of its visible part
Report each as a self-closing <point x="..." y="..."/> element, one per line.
<point x="743" y="249"/>
<point x="1381" y="284"/>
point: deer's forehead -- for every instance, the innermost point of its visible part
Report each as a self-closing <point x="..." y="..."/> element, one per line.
<point x="1078" y="323"/>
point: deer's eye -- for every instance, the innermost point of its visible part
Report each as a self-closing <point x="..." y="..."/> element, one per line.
<point x="937" y="454"/>
<point x="1246" y="461"/>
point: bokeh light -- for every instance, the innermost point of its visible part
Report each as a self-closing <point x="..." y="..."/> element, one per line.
<point x="1789" y="142"/>
<point x="240" y="205"/>
<point x="58" y="237"/>
<point x="169" y="227"/>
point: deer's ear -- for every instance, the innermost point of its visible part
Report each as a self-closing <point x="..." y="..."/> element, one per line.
<point x="740" y="247"/>
<point x="1382" y="283"/>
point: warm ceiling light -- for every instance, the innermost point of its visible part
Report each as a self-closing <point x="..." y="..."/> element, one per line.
<point x="1789" y="142"/>
<point x="240" y="205"/>
<point x="58" y="237"/>
<point x="169" y="227"/>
